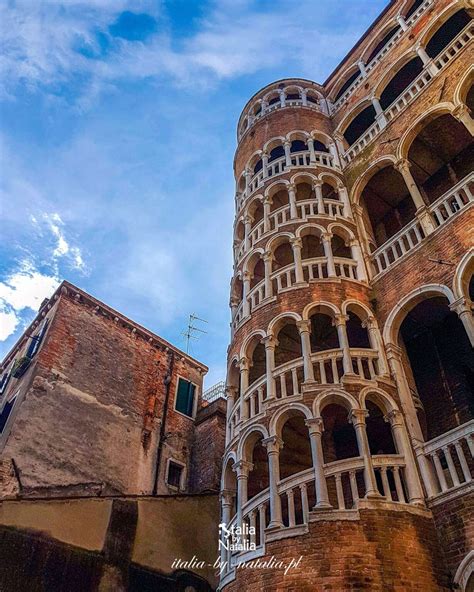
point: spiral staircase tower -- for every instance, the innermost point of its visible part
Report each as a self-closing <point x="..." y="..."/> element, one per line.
<point x="326" y="455"/>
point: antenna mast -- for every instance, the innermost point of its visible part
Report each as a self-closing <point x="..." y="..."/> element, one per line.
<point x="191" y="330"/>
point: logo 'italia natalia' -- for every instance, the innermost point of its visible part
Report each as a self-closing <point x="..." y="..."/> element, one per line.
<point x="237" y="538"/>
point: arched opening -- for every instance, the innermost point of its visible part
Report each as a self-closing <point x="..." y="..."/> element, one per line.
<point x="413" y="8"/>
<point x="289" y="344"/>
<point x="447" y="32"/>
<point x="312" y="97"/>
<point x="273" y="98"/>
<point x="323" y="332"/>
<point x="402" y="79"/>
<point x="258" y="166"/>
<point x="256" y="212"/>
<point x="441" y="155"/>
<point x="275" y="153"/>
<point x="230" y="484"/>
<point x="382" y="43"/>
<point x="312" y="247"/>
<point x="238" y="289"/>
<point x="470" y="100"/>
<point x="256" y="354"/>
<point x="330" y="191"/>
<point x="295" y="456"/>
<point x="233" y="378"/>
<point x="283" y="255"/>
<point x="304" y="191"/>
<point x="387" y="203"/>
<point x="320" y="147"/>
<point x="339" y="247"/>
<point x="298" y="146"/>
<point x="279" y="199"/>
<point x="359" y="125"/>
<point x="257" y="109"/>
<point x="339" y="439"/>
<point x="258" y="476"/>
<point x="357" y="334"/>
<point x="379" y="432"/>
<point x="257" y="271"/>
<point x="347" y="84"/>
<point x="240" y="231"/>
<point x="442" y="364"/>
<point x="292" y="94"/>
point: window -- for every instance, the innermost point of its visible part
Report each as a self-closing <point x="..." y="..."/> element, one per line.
<point x="5" y="413"/>
<point x="4" y="381"/>
<point x="36" y="340"/>
<point x="185" y="397"/>
<point x="174" y="474"/>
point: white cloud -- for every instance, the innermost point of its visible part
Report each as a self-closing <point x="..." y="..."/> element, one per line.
<point x="8" y="323"/>
<point x="63" y="248"/>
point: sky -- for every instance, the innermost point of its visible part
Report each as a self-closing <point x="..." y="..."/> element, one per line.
<point x="117" y="137"/>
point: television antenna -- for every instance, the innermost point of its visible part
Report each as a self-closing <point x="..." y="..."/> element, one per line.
<point x="192" y="332"/>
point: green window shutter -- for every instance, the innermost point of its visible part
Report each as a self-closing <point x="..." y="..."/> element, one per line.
<point x="185" y="397"/>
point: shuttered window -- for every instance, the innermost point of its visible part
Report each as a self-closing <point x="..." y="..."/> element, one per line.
<point x="36" y="340"/>
<point x="185" y="397"/>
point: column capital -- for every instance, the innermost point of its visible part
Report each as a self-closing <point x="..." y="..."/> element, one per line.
<point x="394" y="418"/>
<point x="247" y="173"/>
<point x="231" y="391"/>
<point x="402" y="165"/>
<point x="369" y="323"/>
<point x="317" y="183"/>
<point x="270" y="342"/>
<point x="315" y="425"/>
<point x="234" y="301"/>
<point x="291" y="187"/>
<point x="296" y="242"/>
<point x="340" y="319"/>
<point x="227" y="496"/>
<point x="286" y="143"/>
<point x="309" y="139"/>
<point x="460" y="306"/>
<point x="461" y="111"/>
<point x="242" y="468"/>
<point x="267" y="256"/>
<point x="246" y="276"/>
<point x="357" y="416"/>
<point x="273" y="444"/>
<point x="247" y="219"/>
<point x="304" y="326"/>
<point x="393" y="352"/>
<point x="338" y="136"/>
<point x="267" y="200"/>
<point x="244" y="363"/>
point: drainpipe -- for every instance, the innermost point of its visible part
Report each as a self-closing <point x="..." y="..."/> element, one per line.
<point x="162" y="438"/>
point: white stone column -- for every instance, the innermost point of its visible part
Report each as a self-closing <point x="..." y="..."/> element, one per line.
<point x="462" y="114"/>
<point x="315" y="429"/>
<point x="265" y="164"/>
<point x="312" y="154"/>
<point x="273" y="445"/>
<point x="326" y="240"/>
<point x="270" y="344"/>
<point x="427" y="61"/>
<point x="357" y="417"/>
<point x="394" y="356"/>
<point x="304" y="327"/>
<point x="231" y="393"/>
<point x="244" y="365"/>
<point x="362" y="69"/>
<point x="297" y="244"/>
<point x="400" y="435"/>
<point x="247" y="220"/>
<point x="242" y="469"/>
<point x="282" y="98"/>
<point x="267" y="206"/>
<point x="422" y="213"/>
<point x="359" y="219"/>
<point x="234" y="304"/>
<point x="246" y="276"/>
<point x="379" y="114"/>
<point x="402" y="22"/>
<point x="344" y="197"/>
<point x="376" y="343"/>
<point x="426" y="469"/>
<point x="318" y="190"/>
<point x="339" y="138"/>
<point x="304" y="98"/>
<point x="248" y="176"/>
<point x="464" y="311"/>
<point x="292" y="200"/>
<point x="335" y="155"/>
<point x="268" y="262"/>
<point x="356" y="253"/>
<point x="287" y="147"/>
<point x="340" y="323"/>
<point x="226" y="497"/>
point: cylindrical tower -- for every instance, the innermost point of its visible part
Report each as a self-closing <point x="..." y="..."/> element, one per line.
<point x="318" y="457"/>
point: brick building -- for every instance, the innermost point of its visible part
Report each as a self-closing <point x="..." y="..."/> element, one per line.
<point x="350" y="372"/>
<point x="95" y="407"/>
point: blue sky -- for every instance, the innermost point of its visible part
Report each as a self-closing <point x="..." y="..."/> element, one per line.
<point x="117" y="140"/>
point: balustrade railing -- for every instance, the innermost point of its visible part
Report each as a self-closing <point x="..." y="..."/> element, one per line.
<point x="346" y="268"/>
<point x="455" y="47"/>
<point x="408" y="95"/>
<point x="451" y="458"/>
<point x="315" y="269"/>
<point x="442" y="210"/>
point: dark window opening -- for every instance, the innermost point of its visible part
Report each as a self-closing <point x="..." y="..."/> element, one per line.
<point x="382" y="43"/>
<point x="347" y="84"/>
<point x="185" y="397"/>
<point x="320" y="147"/>
<point x="276" y="153"/>
<point x="323" y="333"/>
<point x="298" y="146"/>
<point x="257" y="167"/>
<point x="339" y="439"/>
<point x="413" y="8"/>
<point x="447" y="32"/>
<point x="289" y="345"/>
<point x="357" y="335"/>
<point x="312" y="99"/>
<point x="5" y="414"/>
<point x="402" y="79"/>
<point x="359" y="125"/>
<point x="293" y="96"/>
<point x="295" y="456"/>
<point x="274" y="100"/>
<point x="174" y="474"/>
<point x="379" y="432"/>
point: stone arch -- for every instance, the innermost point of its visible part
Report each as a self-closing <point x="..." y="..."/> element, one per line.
<point x="361" y="309"/>
<point x="248" y="341"/>
<point x="380" y="397"/>
<point x="322" y="137"/>
<point x="334" y="396"/>
<point x="293" y="87"/>
<point x="419" y="123"/>
<point x="462" y="89"/>
<point x="435" y="24"/>
<point x="398" y="313"/>
<point x="229" y="459"/>
<point x="284" y="413"/>
<point x="303" y="177"/>
<point x="342" y="79"/>
<point x="277" y="323"/>
<point x="247" y="262"/>
<point x="252" y="205"/>
<point x="375" y="167"/>
<point x="464" y="271"/>
<point x="281" y="184"/>
<point x="297" y="135"/>
<point x="338" y="229"/>
<point x="309" y="228"/>
<point x="273" y="143"/>
<point x="465" y="572"/>
<point x="322" y="307"/>
<point x="392" y="70"/>
<point x="276" y="241"/>
<point x="352" y="114"/>
<point x="248" y="439"/>
<point x="389" y="25"/>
